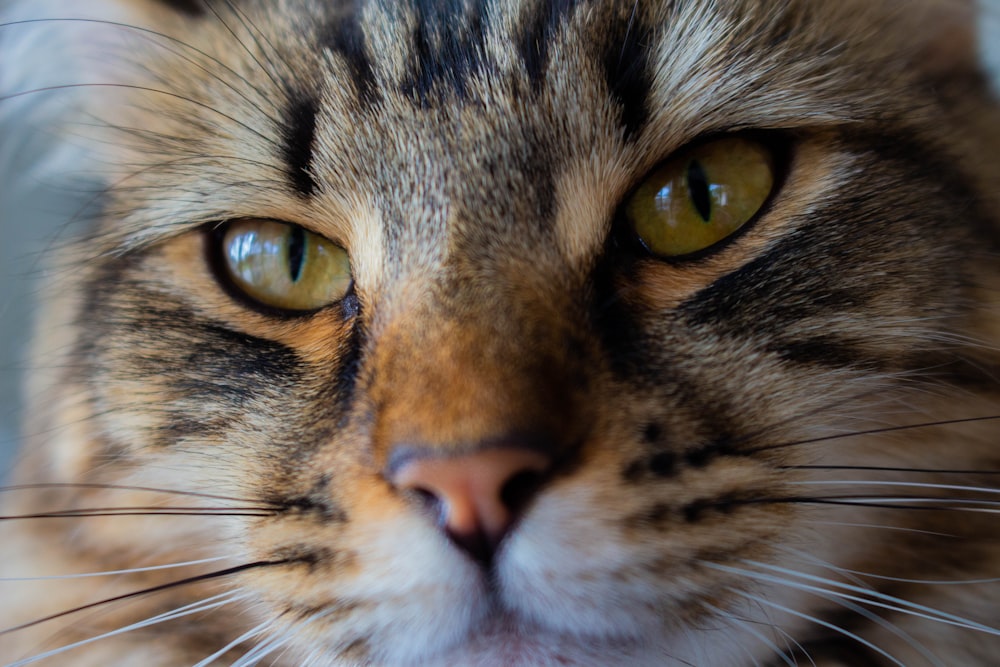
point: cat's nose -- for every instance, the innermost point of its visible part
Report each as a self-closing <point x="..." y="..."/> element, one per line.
<point x="477" y="495"/>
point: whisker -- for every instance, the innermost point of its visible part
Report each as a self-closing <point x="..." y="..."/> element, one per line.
<point x="848" y="602"/>
<point x="244" y="47"/>
<point x="121" y="487"/>
<point x="930" y="471"/>
<point x="874" y="598"/>
<point x="155" y="33"/>
<point x="826" y="624"/>
<point x="747" y="627"/>
<point x="144" y="511"/>
<point x="874" y="431"/>
<point x="262" y="651"/>
<point x="259" y="37"/>
<point x="148" y="591"/>
<point x="147" y="89"/>
<point x="207" y="604"/>
<point x="869" y="482"/>
<point x="246" y="636"/>
<point x="880" y="526"/>
<point x="258" y="653"/>
<point x="881" y="577"/>
<point x="874" y="501"/>
<point x="878" y="620"/>
<point x="110" y="573"/>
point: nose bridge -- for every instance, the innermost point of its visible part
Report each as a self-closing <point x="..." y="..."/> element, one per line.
<point x="458" y="372"/>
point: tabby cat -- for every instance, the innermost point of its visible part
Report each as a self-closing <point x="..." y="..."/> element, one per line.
<point x="511" y="332"/>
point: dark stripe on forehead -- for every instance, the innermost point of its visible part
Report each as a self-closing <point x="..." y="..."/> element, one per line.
<point x="298" y="137"/>
<point x="447" y="46"/>
<point x="541" y="24"/>
<point x="344" y="36"/>
<point x="626" y="68"/>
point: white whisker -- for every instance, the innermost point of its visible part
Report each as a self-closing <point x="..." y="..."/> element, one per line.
<point x="747" y="627"/>
<point x="249" y="634"/>
<point x="875" y="598"/>
<point x="920" y="485"/>
<point x="260" y="652"/>
<point x="865" y="500"/>
<point x="826" y="624"/>
<point x="882" y="577"/>
<point x="109" y="573"/>
<point x="881" y="526"/>
<point x="213" y="602"/>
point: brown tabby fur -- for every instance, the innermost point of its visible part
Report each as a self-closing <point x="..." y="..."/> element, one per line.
<point x="472" y="164"/>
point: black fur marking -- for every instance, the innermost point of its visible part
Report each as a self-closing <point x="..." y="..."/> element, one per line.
<point x="299" y="136"/>
<point x="652" y="433"/>
<point x="226" y="365"/>
<point x="724" y="504"/>
<point x="663" y="464"/>
<point x="540" y="28"/>
<point x="316" y="504"/>
<point x="627" y="71"/>
<point x="345" y="36"/>
<point x="348" y="368"/>
<point x="634" y="471"/>
<point x="448" y="47"/>
<point x="189" y="7"/>
<point x="825" y="351"/>
<point x="703" y="456"/>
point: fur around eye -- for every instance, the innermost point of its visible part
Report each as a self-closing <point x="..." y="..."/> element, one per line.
<point x="283" y="266"/>
<point x="701" y="196"/>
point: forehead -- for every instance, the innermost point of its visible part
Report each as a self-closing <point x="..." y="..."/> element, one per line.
<point x="412" y="111"/>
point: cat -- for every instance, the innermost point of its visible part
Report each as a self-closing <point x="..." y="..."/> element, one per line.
<point x="511" y="332"/>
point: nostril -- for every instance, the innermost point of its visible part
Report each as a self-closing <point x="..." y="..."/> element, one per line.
<point x="518" y="491"/>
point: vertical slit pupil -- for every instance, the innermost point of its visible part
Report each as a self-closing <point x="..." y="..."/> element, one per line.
<point x="296" y="253"/>
<point x="701" y="196"/>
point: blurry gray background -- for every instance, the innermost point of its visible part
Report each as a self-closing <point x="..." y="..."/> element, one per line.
<point x="33" y="218"/>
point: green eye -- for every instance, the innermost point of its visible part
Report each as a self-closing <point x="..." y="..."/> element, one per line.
<point x="284" y="266"/>
<point x="701" y="196"/>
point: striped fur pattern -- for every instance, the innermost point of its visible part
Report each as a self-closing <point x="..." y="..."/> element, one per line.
<point x="782" y="452"/>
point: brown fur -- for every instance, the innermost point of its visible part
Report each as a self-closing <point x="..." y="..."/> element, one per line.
<point x="695" y="410"/>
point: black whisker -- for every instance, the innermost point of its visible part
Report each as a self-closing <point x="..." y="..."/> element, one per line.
<point x="123" y="487"/>
<point x="175" y="40"/>
<point x="863" y="500"/>
<point x="143" y="511"/>
<point x="148" y="591"/>
<point x="874" y="431"/>
<point x="129" y="86"/>
<point x="243" y="45"/>
<point x="258" y="36"/>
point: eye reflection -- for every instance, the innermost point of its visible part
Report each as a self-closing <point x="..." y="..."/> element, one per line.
<point x="285" y="266"/>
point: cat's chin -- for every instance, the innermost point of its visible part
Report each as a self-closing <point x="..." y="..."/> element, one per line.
<point x="504" y="640"/>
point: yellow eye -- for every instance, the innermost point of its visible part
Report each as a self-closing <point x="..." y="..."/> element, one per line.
<point x="284" y="266"/>
<point x="701" y="196"/>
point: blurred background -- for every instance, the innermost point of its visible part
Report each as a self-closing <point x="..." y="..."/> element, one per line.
<point x="35" y="217"/>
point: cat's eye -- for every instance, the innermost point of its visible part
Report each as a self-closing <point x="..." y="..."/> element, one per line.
<point x="701" y="196"/>
<point x="284" y="266"/>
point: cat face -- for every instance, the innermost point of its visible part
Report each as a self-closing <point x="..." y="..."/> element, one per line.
<point x="537" y="333"/>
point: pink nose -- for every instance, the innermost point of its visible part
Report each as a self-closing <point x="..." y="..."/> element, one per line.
<point x="478" y="495"/>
